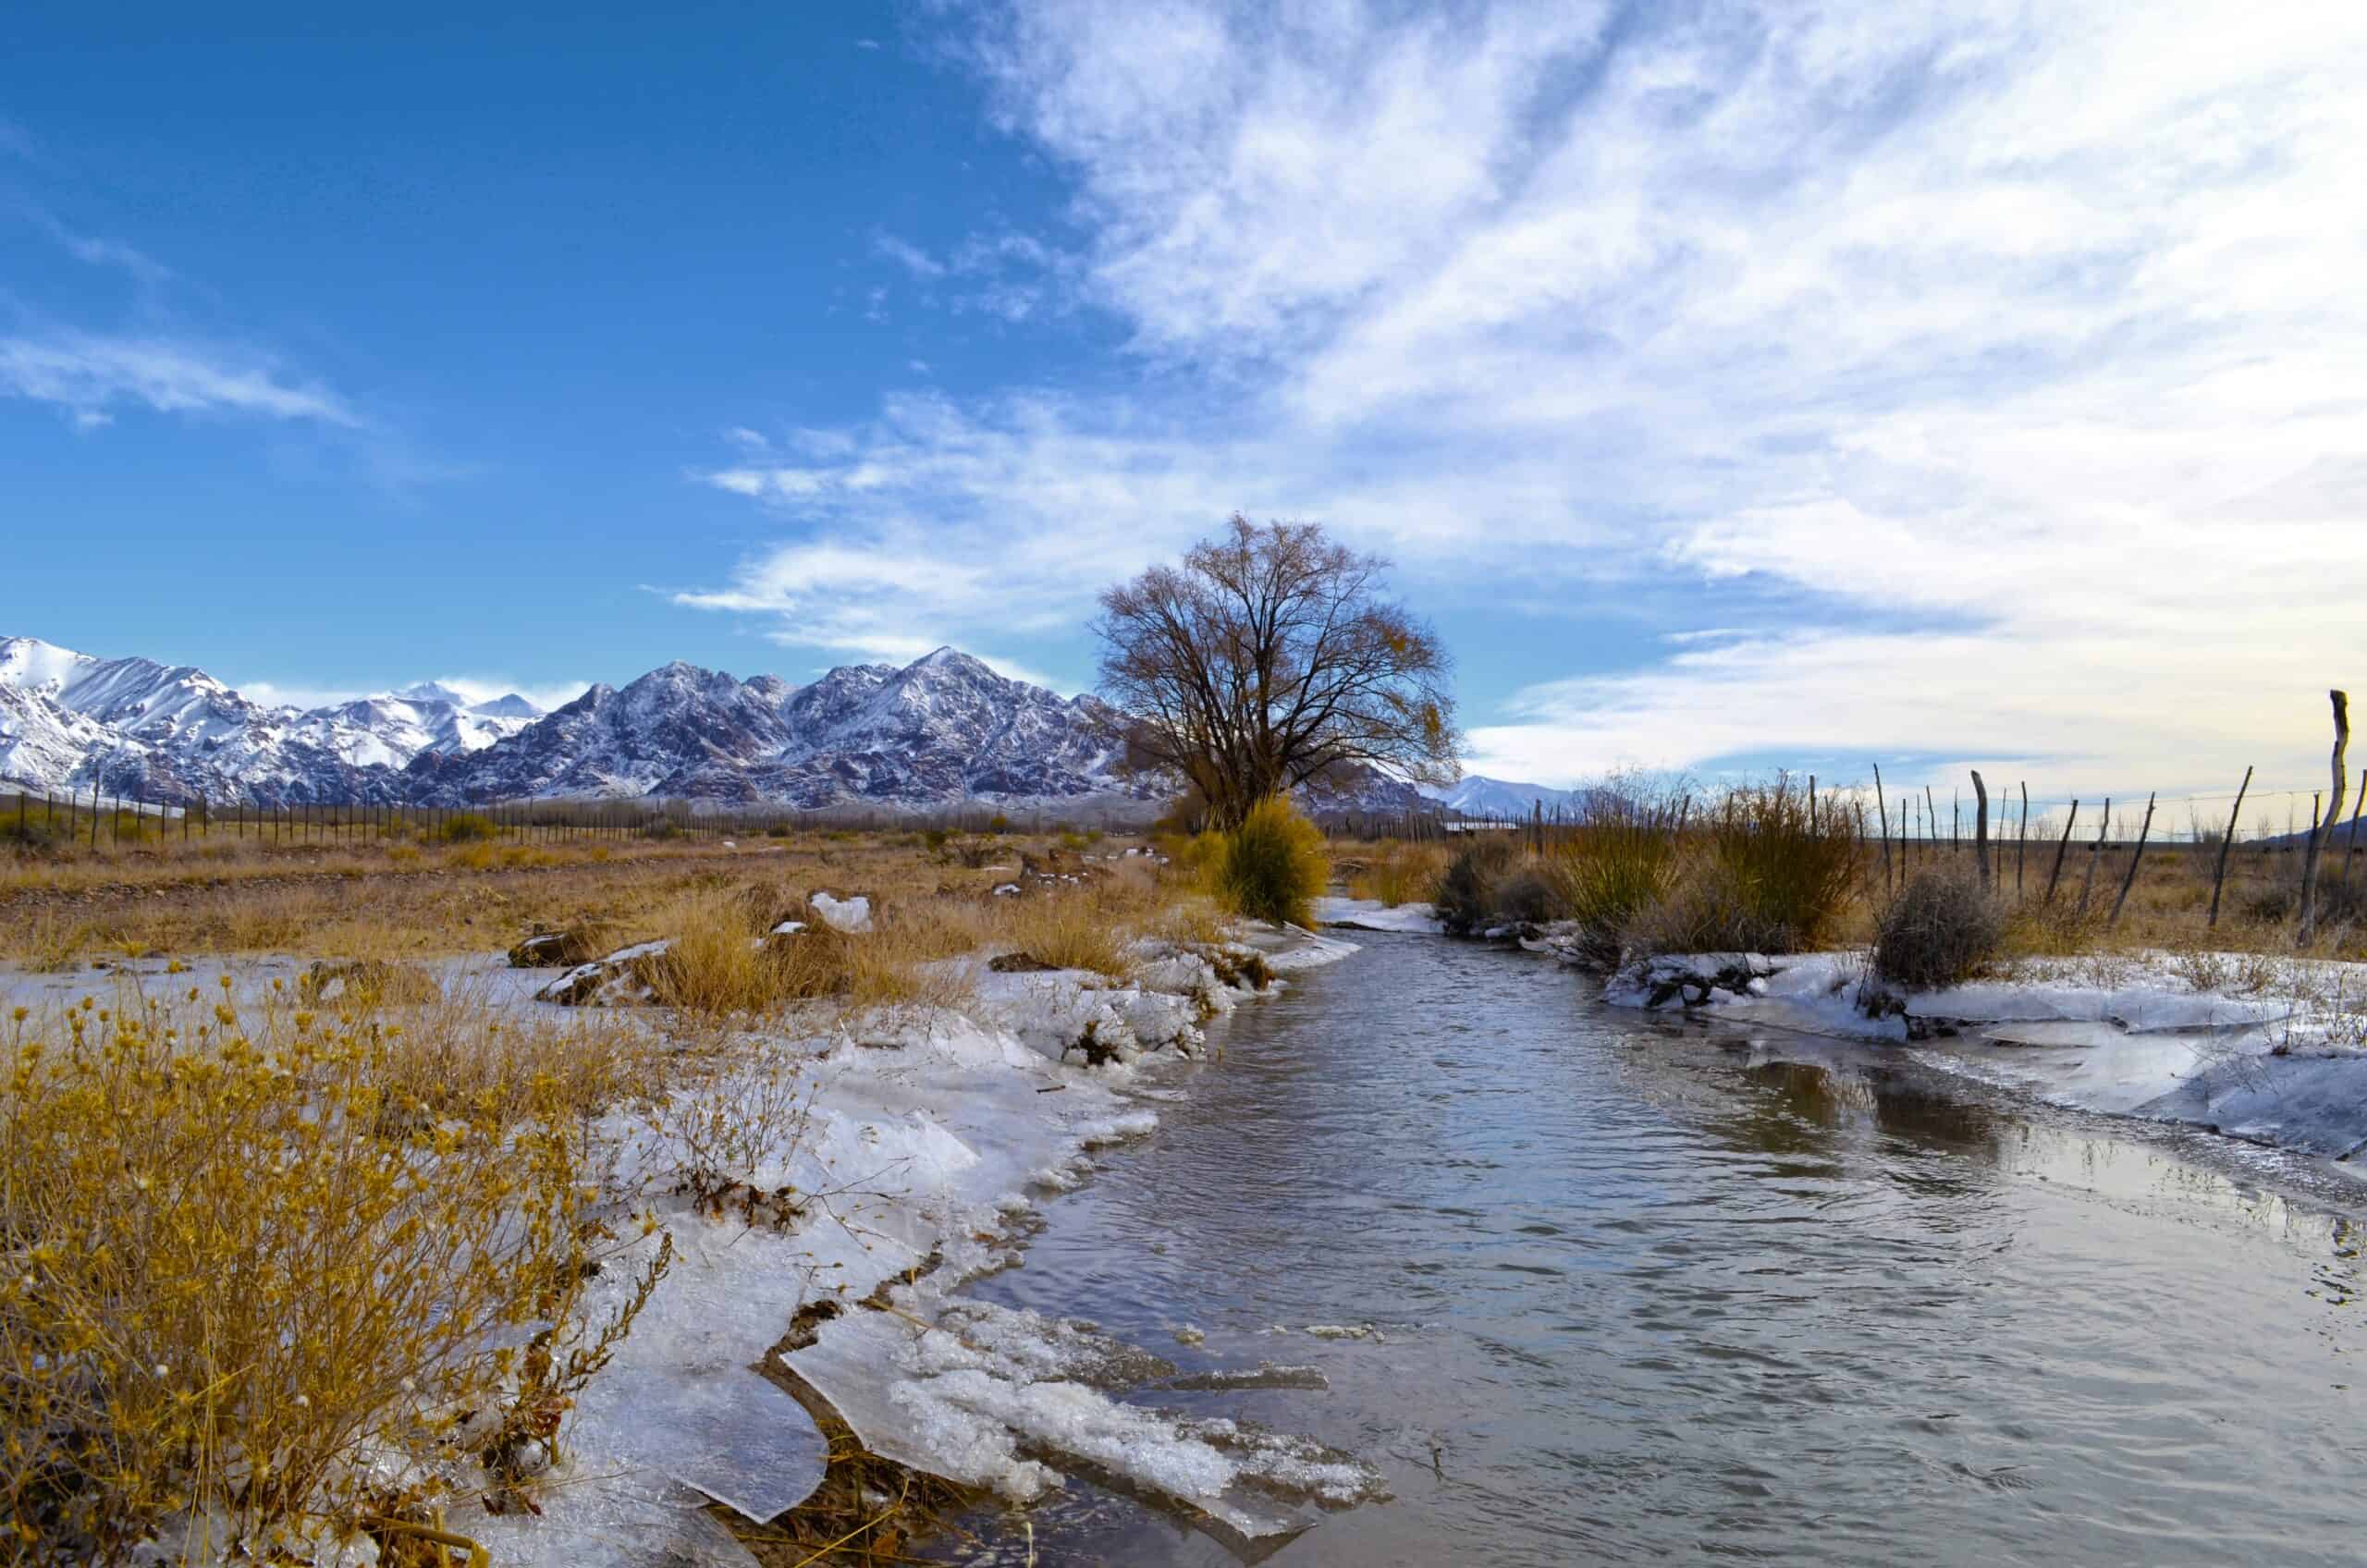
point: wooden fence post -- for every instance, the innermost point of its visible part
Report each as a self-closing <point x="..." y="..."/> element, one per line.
<point x="1883" y="807"/>
<point x="2219" y="877"/>
<point x="2088" y="883"/>
<point x="1981" y="828"/>
<point x="2138" y="854"/>
<point x="2350" y="852"/>
<point x="2056" y="875"/>
<point x="2324" y="833"/>
<point x="2022" y="842"/>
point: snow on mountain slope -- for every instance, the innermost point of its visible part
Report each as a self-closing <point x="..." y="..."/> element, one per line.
<point x="943" y="729"/>
<point x="173" y="733"/>
<point x="1475" y="795"/>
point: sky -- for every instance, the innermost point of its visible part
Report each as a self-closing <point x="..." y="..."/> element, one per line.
<point x="1735" y="386"/>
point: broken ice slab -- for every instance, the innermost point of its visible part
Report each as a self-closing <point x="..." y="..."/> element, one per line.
<point x="995" y="1404"/>
<point x="714" y="1425"/>
<point x="592" y="1518"/>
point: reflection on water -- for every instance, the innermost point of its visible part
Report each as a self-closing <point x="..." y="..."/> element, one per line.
<point x="1643" y="1291"/>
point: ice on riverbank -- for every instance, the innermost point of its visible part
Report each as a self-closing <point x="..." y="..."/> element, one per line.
<point x="1371" y="914"/>
<point x="2282" y="1060"/>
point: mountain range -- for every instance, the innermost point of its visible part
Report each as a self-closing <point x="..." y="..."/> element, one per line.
<point x="1501" y="800"/>
<point x="941" y="730"/>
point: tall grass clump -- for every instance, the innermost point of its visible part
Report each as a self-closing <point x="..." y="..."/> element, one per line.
<point x="1619" y="862"/>
<point x="1273" y="867"/>
<point x="1768" y="870"/>
<point x="714" y="964"/>
<point x="1941" y="930"/>
<point x="1401" y="873"/>
<point x="255" y="1288"/>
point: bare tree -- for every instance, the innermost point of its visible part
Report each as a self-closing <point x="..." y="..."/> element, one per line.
<point x="1272" y="655"/>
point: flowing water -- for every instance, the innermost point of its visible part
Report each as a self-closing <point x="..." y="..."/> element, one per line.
<point x="1642" y="1292"/>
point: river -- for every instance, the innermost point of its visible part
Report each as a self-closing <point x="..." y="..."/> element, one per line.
<point x="1641" y="1291"/>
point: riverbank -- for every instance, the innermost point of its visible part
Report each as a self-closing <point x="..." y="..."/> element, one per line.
<point x="2270" y="1050"/>
<point x="762" y="1205"/>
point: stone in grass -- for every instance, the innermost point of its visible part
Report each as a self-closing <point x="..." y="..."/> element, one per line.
<point x="843" y="914"/>
<point x="562" y="949"/>
<point x="622" y="976"/>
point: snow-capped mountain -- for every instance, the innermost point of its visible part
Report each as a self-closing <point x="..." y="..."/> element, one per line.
<point x="940" y="730"/>
<point x="389" y="730"/>
<point x="1475" y="795"/>
<point x="943" y="729"/>
<point x="132" y="726"/>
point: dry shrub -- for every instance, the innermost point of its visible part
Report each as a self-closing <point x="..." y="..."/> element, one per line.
<point x="239" y="1264"/>
<point x="1793" y="866"/>
<point x="1273" y="867"/>
<point x="1943" y="930"/>
<point x="1402" y="872"/>
<point x="1071" y="929"/>
<point x="466" y="828"/>
<point x="1467" y="892"/>
<point x="460" y="1054"/>
<point x="715" y="964"/>
<point x="1188" y="920"/>
<point x="728" y="1138"/>
<point x="1530" y="895"/>
<point x="1619" y="862"/>
<point x="1771" y="873"/>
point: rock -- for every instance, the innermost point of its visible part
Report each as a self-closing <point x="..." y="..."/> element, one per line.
<point x="622" y="976"/>
<point x="558" y="949"/>
<point x="843" y="914"/>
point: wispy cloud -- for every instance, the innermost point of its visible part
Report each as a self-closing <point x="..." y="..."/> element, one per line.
<point x="2038" y="324"/>
<point x="91" y="376"/>
<point x="92" y="248"/>
<point x="909" y="256"/>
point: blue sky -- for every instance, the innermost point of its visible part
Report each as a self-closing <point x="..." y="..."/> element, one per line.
<point x="1732" y="384"/>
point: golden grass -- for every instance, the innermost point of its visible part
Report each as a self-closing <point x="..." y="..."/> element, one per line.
<point x="1401" y="871"/>
<point x="248" y="1248"/>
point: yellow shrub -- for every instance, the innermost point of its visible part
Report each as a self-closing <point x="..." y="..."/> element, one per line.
<point x="1271" y="867"/>
<point x="242" y="1257"/>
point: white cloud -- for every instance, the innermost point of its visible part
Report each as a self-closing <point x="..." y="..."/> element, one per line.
<point x="2014" y="347"/>
<point x="909" y="256"/>
<point x="89" y="376"/>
